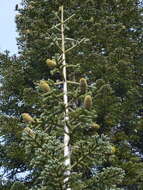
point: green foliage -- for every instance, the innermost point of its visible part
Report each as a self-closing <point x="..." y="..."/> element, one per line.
<point x="89" y="151"/>
<point x="17" y="186"/>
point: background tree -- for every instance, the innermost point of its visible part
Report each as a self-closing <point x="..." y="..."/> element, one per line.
<point x="17" y="186"/>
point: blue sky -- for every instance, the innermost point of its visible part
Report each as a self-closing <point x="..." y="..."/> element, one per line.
<point x="8" y="28"/>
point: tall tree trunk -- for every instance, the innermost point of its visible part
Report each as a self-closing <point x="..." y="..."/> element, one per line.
<point x="65" y="98"/>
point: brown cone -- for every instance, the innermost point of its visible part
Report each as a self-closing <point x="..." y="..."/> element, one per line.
<point x="27" y="118"/>
<point x="88" y="102"/>
<point x="51" y="63"/>
<point x="83" y="85"/>
<point x="44" y="86"/>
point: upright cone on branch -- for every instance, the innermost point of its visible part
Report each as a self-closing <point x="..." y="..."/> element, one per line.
<point x="30" y="132"/>
<point x="113" y="149"/>
<point x="95" y="126"/>
<point x="51" y="63"/>
<point x="27" y="118"/>
<point x="44" y="86"/>
<point x="88" y="102"/>
<point x="83" y="85"/>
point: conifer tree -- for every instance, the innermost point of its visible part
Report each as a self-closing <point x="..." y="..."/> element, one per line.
<point x="112" y="56"/>
<point x="63" y="142"/>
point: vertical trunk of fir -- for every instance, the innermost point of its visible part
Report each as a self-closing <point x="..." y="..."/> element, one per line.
<point x="67" y="162"/>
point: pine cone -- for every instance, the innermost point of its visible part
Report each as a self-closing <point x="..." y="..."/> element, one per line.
<point x="44" y="86"/>
<point x="113" y="149"/>
<point x="27" y="118"/>
<point x="95" y="126"/>
<point x="30" y="132"/>
<point x="51" y="63"/>
<point x="88" y="102"/>
<point x="83" y="85"/>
